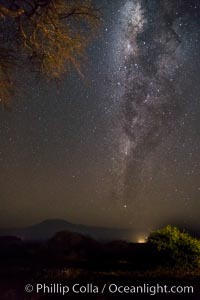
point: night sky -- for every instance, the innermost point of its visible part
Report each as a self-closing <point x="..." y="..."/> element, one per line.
<point x="120" y="146"/>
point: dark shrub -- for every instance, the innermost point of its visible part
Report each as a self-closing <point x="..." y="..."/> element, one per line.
<point x="176" y="248"/>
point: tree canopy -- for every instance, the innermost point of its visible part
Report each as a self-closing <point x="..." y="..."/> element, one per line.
<point x="177" y="248"/>
<point x="50" y="36"/>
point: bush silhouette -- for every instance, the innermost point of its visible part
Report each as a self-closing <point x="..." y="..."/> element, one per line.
<point x="176" y="248"/>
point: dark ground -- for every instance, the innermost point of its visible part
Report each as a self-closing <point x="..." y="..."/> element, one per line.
<point x="69" y="259"/>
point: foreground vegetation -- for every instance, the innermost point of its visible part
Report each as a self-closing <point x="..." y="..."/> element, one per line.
<point x="169" y="257"/>
<point x="176" y="248"/>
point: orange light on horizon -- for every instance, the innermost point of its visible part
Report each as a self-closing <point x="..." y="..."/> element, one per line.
<point x="142" y="240"/>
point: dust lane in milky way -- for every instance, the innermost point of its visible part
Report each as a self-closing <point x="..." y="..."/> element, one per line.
<point x="158" y="54"/>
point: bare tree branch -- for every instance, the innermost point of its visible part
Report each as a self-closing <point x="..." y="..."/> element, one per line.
<point x="52" y="35"/>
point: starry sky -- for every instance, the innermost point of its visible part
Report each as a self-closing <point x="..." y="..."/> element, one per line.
<point x="120" y="146"/>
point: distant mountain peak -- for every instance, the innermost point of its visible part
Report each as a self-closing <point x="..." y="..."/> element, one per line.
<point x="54" y="221"/>
<point x="47" y="229"/>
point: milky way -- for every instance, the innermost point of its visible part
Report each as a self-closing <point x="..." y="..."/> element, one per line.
<point x="120" y="146"/>
<point x="157" y="41"/>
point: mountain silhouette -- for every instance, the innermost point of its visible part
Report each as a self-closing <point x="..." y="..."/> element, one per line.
<point x="47" y="228"/>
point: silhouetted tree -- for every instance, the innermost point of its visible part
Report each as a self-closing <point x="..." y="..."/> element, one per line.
<point x="51" y="35"/>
